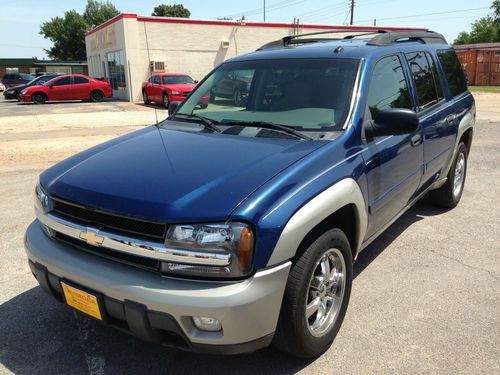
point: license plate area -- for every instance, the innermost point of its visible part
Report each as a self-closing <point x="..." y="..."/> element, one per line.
<point x="84" y="300"/>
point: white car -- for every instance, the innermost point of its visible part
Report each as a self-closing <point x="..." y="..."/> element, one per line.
<point x="2" y="87"/>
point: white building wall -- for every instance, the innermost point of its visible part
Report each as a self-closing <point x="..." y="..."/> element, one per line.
<point x="193" y="47"/>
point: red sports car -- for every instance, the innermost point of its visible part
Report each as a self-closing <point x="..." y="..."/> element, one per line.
<point x="169" y="87"/>
<point x="68" y="87"/>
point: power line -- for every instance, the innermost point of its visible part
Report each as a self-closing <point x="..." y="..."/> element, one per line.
<point x="423" y="14"/>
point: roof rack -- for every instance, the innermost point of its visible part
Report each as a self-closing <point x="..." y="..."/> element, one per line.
<point x="383" y="38"/>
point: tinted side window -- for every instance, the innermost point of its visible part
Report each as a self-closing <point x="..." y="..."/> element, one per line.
<point x="453" y="71"/>
<point x="388" y="88"/>
<point x="79" y="79"/>
<point x="156" y="79"/>
<point x="63" y="81"/>
<point x="437" y="80"/>
<point x="423" y="78"/>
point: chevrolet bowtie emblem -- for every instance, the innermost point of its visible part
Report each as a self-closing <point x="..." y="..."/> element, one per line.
<point x="91" y="237"/>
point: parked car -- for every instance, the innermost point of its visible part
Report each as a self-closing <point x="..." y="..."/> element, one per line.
<point x="67" y="87"/>
<point x="13" y="92"/>
<point x="234" y="85"/>
<point x="223" y="229"/>
<point x="16" y="79"/>
<point x="169" y="87"/>
<point x="2" y="87"/>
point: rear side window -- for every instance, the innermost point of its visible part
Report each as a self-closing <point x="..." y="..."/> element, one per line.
<point x="453" y="71"/>
<point x="78" y="80"/>
<point x="63" y="81"/>
<point x="388" y="88"/>
<point x="424" y="79"/>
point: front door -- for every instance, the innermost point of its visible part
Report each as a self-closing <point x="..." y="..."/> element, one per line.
<point x="59" y="89"/>
<point x="394" y="163"/>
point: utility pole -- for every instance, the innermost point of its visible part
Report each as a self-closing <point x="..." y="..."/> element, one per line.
<point x="264" y="10"/>
<point x="352" y="11"/>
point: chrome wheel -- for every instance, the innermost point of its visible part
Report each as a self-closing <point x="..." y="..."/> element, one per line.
<point x="165" y="101"/>
<point x="325" y="292"/>
<point x="237" y="98"/>
<point x="459" y="176"/>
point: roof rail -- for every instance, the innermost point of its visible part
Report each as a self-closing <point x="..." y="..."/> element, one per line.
<point x="387" y="39"/>
<point x="383" y="38"/>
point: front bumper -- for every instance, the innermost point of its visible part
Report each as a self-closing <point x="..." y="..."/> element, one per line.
<point x="10" y="96"/>
<point x="159" y="309"/>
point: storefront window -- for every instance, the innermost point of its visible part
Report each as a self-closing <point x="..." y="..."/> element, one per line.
<point x="116" y="69"/>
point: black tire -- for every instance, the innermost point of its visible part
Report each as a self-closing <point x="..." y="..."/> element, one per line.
<point x="238" y="97"/>
<point x="449" y="194"/>
<point x="294" y="332"/>
<point x="166" y="101"/>
<point x="96" y="96"/>
<point x="39" y="98"/>
<point x="145" y="98"/>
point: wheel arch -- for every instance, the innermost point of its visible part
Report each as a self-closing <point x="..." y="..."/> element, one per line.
<point x="39" y="92"/>
<point x="342" y="205"/>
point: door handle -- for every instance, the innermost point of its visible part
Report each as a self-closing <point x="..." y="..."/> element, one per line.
<point x="450" y="120"/>
<point x="416" y="140"/>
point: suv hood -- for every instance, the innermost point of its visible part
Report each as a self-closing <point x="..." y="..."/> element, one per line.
<point x="172" y="175"/>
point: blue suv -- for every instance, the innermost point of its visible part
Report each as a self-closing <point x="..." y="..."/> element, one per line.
<point x="229" y="227"/>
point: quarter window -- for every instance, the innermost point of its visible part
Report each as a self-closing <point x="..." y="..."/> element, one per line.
<point x="63" y="81"/>
<point x="388" y="88"/>
<point x="423" y="78"/>
<point x="453" y="71"/>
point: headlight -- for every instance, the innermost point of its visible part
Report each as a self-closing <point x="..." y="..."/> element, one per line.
<point x="175" y="92"/>
<point x="23" y="92"/>
<point x="230" y="241"/>
<point x="42" y="200"/>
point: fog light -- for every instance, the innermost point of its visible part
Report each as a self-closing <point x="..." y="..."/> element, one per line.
<point x="207" y="324"/>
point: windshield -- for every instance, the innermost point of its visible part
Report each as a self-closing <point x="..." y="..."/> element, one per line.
<point x="172" y="80"/>
<point x="302" y="94"/>
<point x="26" y="77"/>
<point x="40" y="80"/>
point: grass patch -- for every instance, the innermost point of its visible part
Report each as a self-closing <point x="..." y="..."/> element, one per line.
<point x="485" y="89"/>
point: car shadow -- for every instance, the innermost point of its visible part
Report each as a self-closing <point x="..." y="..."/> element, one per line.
<point x="40" y="335"/>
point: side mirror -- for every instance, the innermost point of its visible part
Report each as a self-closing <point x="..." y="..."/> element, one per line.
<point x="392" y="122"/>
<point x="195" y="81"/>
<point x="173" y="107"/>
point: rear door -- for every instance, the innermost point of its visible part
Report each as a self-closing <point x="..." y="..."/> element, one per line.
<point x="393" y="164"/>
<point x="59" y="89"/>
<point x="436" y="115"/>
<point x="80" y="88"/>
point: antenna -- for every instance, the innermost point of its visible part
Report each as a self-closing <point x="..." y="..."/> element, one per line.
<point x="149" y="58"/>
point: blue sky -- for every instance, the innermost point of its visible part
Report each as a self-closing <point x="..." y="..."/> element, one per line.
<point x="20" y="20"/>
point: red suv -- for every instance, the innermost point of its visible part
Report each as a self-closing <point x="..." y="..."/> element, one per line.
<point x="169" y="87"/>
<point x="68" y="87"/>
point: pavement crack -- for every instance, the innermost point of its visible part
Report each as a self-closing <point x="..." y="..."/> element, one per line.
<point x="96" y="365"/>
<point x="463" y="264"/>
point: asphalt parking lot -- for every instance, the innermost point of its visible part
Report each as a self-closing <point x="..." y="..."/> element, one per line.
<point x="425" y="299"/>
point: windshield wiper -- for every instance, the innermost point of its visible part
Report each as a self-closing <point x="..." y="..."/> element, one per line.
<point x="207" y="123"/>
<point x="268" y="125"/>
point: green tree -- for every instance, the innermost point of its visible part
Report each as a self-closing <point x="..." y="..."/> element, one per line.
<point x="97" y="12"/>
<point x="176" y="10"/>
<point x="67" y="33"/>
<point x="484" y="30"/>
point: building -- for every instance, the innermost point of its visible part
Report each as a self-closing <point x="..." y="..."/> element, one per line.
<point x="128" y="48"/>
<point x="35" y="66"/>
<point x="481" y="62"/>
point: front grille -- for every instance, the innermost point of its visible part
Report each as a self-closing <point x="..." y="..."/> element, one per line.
<point x="134" y="260"/>
<point x="186" y="93"/>
<point x="118" y="224"/>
